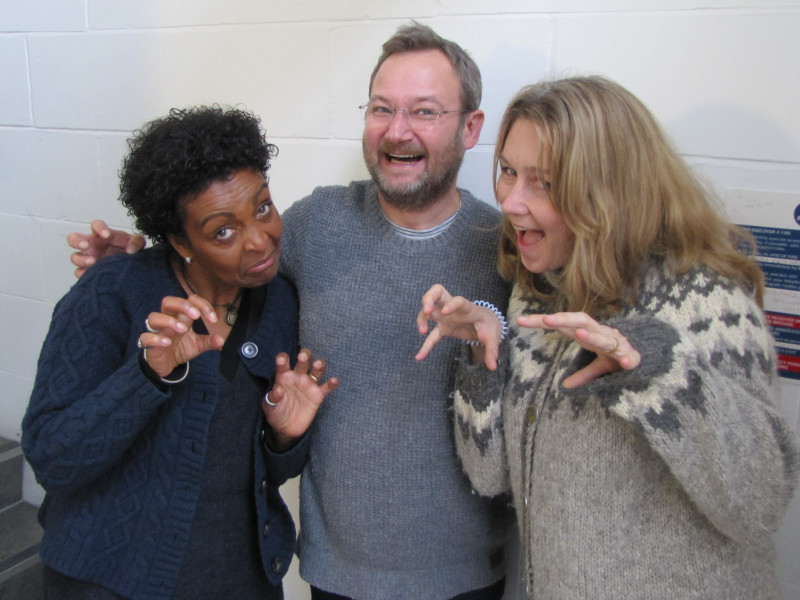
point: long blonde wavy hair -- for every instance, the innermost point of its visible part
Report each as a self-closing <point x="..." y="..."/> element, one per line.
<point x="624" y="193"/>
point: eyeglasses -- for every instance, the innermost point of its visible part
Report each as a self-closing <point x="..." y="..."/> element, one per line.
<point x="419" y="117"/>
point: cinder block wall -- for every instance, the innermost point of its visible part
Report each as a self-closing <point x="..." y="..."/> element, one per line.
<point x="78" y="75"/>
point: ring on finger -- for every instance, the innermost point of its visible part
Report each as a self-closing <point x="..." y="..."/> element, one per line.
<point x="149" y="327"/>
<point x="314" y="378"/>
<point x="268" y="402"/>
<point x="141" y="346"/>
<point x="615" y="347"/>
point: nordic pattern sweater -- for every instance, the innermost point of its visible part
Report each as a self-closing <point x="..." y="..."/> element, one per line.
<point x="662" y="482"/>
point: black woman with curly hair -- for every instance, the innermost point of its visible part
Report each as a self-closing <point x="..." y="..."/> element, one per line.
<point x="165" y="412"/>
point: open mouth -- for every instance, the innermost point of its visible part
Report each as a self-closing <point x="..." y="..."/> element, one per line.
<point x="404" y="159"/>
<point x="528" y="237"/>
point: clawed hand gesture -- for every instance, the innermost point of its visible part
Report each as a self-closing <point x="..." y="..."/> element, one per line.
<point x="292" y="403"/>
<point x="614" y="351"/>
<point x="101" y="242"/>
<point x="457" y="317"/>
<point x="169" y="339"/>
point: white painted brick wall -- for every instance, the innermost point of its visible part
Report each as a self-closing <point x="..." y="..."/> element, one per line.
<point x="78" y="75"/>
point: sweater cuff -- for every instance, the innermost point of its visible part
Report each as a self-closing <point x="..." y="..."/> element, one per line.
<point x="478" y="386"/>
<point x="162" y="383"/>
<point x="655" y="341"/>
<point x="283" y="465"/>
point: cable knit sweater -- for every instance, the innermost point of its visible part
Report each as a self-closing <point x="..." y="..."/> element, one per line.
<point x="386" y="512"/>
<point x="121" y="459"/>
<point x="666" y="481"/>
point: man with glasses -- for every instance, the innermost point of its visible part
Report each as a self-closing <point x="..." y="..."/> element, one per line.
<point x="386" y="512"/>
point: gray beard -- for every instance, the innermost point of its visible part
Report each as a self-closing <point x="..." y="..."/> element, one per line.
<point x="416" y="195"/>
<point x="426" y="190"/>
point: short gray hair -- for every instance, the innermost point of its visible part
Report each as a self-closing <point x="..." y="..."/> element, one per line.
<point x="414" y="37"/>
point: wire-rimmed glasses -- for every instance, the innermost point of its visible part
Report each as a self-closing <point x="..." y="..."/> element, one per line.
<point x="377" y="112"/>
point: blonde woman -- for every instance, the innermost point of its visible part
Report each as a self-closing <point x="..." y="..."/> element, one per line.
<point x="631" y="409"/>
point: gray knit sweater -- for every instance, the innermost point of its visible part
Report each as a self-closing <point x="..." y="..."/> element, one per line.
<point x="662" y="482"/>
<point x="386" y="511"/>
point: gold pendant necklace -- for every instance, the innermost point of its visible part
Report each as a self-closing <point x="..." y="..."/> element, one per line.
<point x="231" y="310"/>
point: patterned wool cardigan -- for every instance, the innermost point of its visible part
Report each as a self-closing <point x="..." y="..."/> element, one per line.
<point x="666" y="481"/>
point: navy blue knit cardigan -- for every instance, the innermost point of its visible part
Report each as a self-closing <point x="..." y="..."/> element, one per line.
<point x="121" y="459"/>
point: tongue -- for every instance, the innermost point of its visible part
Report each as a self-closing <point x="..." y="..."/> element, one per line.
<point x="531" y="236"/>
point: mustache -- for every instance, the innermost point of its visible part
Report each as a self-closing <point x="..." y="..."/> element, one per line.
<point x="402" y="149"/>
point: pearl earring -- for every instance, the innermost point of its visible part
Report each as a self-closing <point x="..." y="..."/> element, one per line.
<point x="188" y="259"/>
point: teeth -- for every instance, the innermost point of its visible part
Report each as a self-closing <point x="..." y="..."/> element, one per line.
<point x="404" y="158"/>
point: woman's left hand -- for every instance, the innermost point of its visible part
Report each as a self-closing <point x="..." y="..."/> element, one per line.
<point x="296" y="396"/>
<point x="614" y="351"/>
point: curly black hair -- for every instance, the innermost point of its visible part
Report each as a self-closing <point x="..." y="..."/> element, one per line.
<point x="183" y="153"/>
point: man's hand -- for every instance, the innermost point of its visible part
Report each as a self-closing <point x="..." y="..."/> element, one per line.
<point x="101" y="242"/>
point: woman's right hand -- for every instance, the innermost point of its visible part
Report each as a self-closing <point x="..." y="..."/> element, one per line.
<point x="169" y="339"/>
<point x="457" y="317"/>
<point x="292" y="403"/>
<point x="101" y="242"/>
